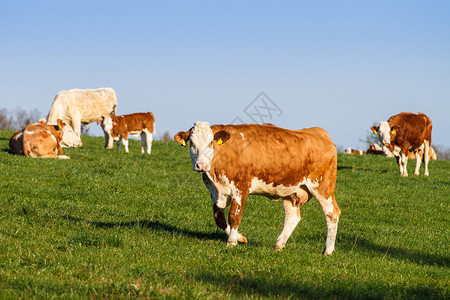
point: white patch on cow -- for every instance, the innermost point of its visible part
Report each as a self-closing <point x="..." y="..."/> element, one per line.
<point x="348" y="150"/>
<point x="201" y="146"/>
<point x="135" y="133"/>
<point x="53" y="137"/>
<point x="29" y="132"/>
<point x="384" y="133"/>
<point x="260" y="187"/>
<point x="242" y="135"/>
<point x="107" y="124"/>
<point x="397" y="151"/>
<point x="227" y="190"/>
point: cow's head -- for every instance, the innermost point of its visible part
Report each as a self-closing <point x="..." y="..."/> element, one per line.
<point x="116" y="123"/>
<point x="106" y="123"/>
<point x="202" y="142"/>
<point x="69" y="138"/>
<point x="385" y="132"/>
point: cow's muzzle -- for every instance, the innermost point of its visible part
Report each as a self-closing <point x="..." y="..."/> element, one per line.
<point x="201" y="167"/>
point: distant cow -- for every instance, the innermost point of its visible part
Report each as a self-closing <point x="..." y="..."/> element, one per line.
<point x="404" y="133"/>
<point x="349" y="150"/>
<point x="119" y="127"/>
<point x="238" y="160"/>
<point x="83" y="106"/>
<point x="39" y="140"/>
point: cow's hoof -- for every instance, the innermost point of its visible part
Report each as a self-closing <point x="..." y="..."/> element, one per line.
<point x="242" y="239"/>
<point x="231" y="245"/>
<point x="326" y="253"/>
<point x="279" y="247"/>
<point x="63" y="157"/>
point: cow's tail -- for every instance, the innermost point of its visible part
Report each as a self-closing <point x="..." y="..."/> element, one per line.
<point x="154" y="124"/>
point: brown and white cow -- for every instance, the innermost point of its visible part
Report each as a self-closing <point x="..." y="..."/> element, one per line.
<point x="119" y="127"/>
<point x="83" y="106"/>
<point x="39" y="140"/>
<point x="404" y="133"/>
<point x="349" y="150"/>
<point x="69" y="138"/>
<point x="238" y="160"/>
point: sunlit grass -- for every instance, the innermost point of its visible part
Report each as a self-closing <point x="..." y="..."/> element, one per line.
<point x="116" y="225"/>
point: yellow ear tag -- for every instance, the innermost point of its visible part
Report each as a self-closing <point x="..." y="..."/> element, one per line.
<point x="394" y="132"/>
<point x="59" y="126"/>
<point x="184" y="143"/>
<point x="220" y="142"/>
<point x="374" y="131"/>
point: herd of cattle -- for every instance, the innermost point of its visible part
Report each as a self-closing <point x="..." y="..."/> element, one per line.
<point x="235" y="160"/>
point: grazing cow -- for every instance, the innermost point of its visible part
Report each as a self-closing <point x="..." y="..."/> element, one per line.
<point x="238" y="160"/>
<point x="119" y="127"/>
<point x="376" y="149"/>
<point x="39" y="140"/>
<point x="404" y="133"/>
<point x="83" y="106"/>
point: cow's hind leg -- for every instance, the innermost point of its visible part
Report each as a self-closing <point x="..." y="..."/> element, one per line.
<point x="426" y="156"/>
<point x="143" y="142"/>
<point x="418" y="161"/>
<point x="292" y="217"/>
<point x="332" y="212"/>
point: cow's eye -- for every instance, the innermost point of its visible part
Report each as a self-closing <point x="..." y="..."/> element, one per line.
<point x="211" y="144"/>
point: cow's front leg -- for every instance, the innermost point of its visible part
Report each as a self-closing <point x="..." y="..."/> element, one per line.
<point x="125" y="143"/>
<point x="234" y="217"/>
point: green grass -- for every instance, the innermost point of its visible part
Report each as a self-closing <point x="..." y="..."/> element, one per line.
<point x="115" y="225"/>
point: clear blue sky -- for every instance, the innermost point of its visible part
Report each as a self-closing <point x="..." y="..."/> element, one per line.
<point x="341" y="65"/>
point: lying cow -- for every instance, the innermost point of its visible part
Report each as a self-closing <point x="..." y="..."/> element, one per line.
<point x="83" y="106"/>
<point x="39" y="140"/>
<point x="69" y="138"/>
<point x="349" y="150"/>
<point x="404" y="133"/>
<point x="238" y="160"/>
<point x="119" y="127"/>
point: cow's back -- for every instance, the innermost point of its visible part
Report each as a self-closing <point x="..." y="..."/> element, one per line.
<point x="89" y="104"/>
<point x="278" y="155"/>
<point x="39" y="141"/>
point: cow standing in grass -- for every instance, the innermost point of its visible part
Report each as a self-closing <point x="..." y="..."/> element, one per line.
<point x="404" y="133"/>
<point x="119" y="127"/>
<point x="83" y="106"/>
<point x="238" y="160"/>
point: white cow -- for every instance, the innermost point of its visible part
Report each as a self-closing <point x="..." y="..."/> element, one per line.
<point x="83" y="106"/>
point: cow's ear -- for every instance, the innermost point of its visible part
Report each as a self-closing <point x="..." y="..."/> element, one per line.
<point x="100" y="121"/>
<point x="60" y="124"/>
<point x="182" y="137"/>
<point x="394" y="129"/>
<point x="221" y="137"/>
<point x="375" y="129"/>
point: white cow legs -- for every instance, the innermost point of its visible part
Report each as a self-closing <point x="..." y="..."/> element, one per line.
<point x="426" y="156"/>
<point x="292" y="217"/>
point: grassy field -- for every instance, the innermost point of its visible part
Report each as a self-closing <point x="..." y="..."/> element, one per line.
<point x="113" y="225"/>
